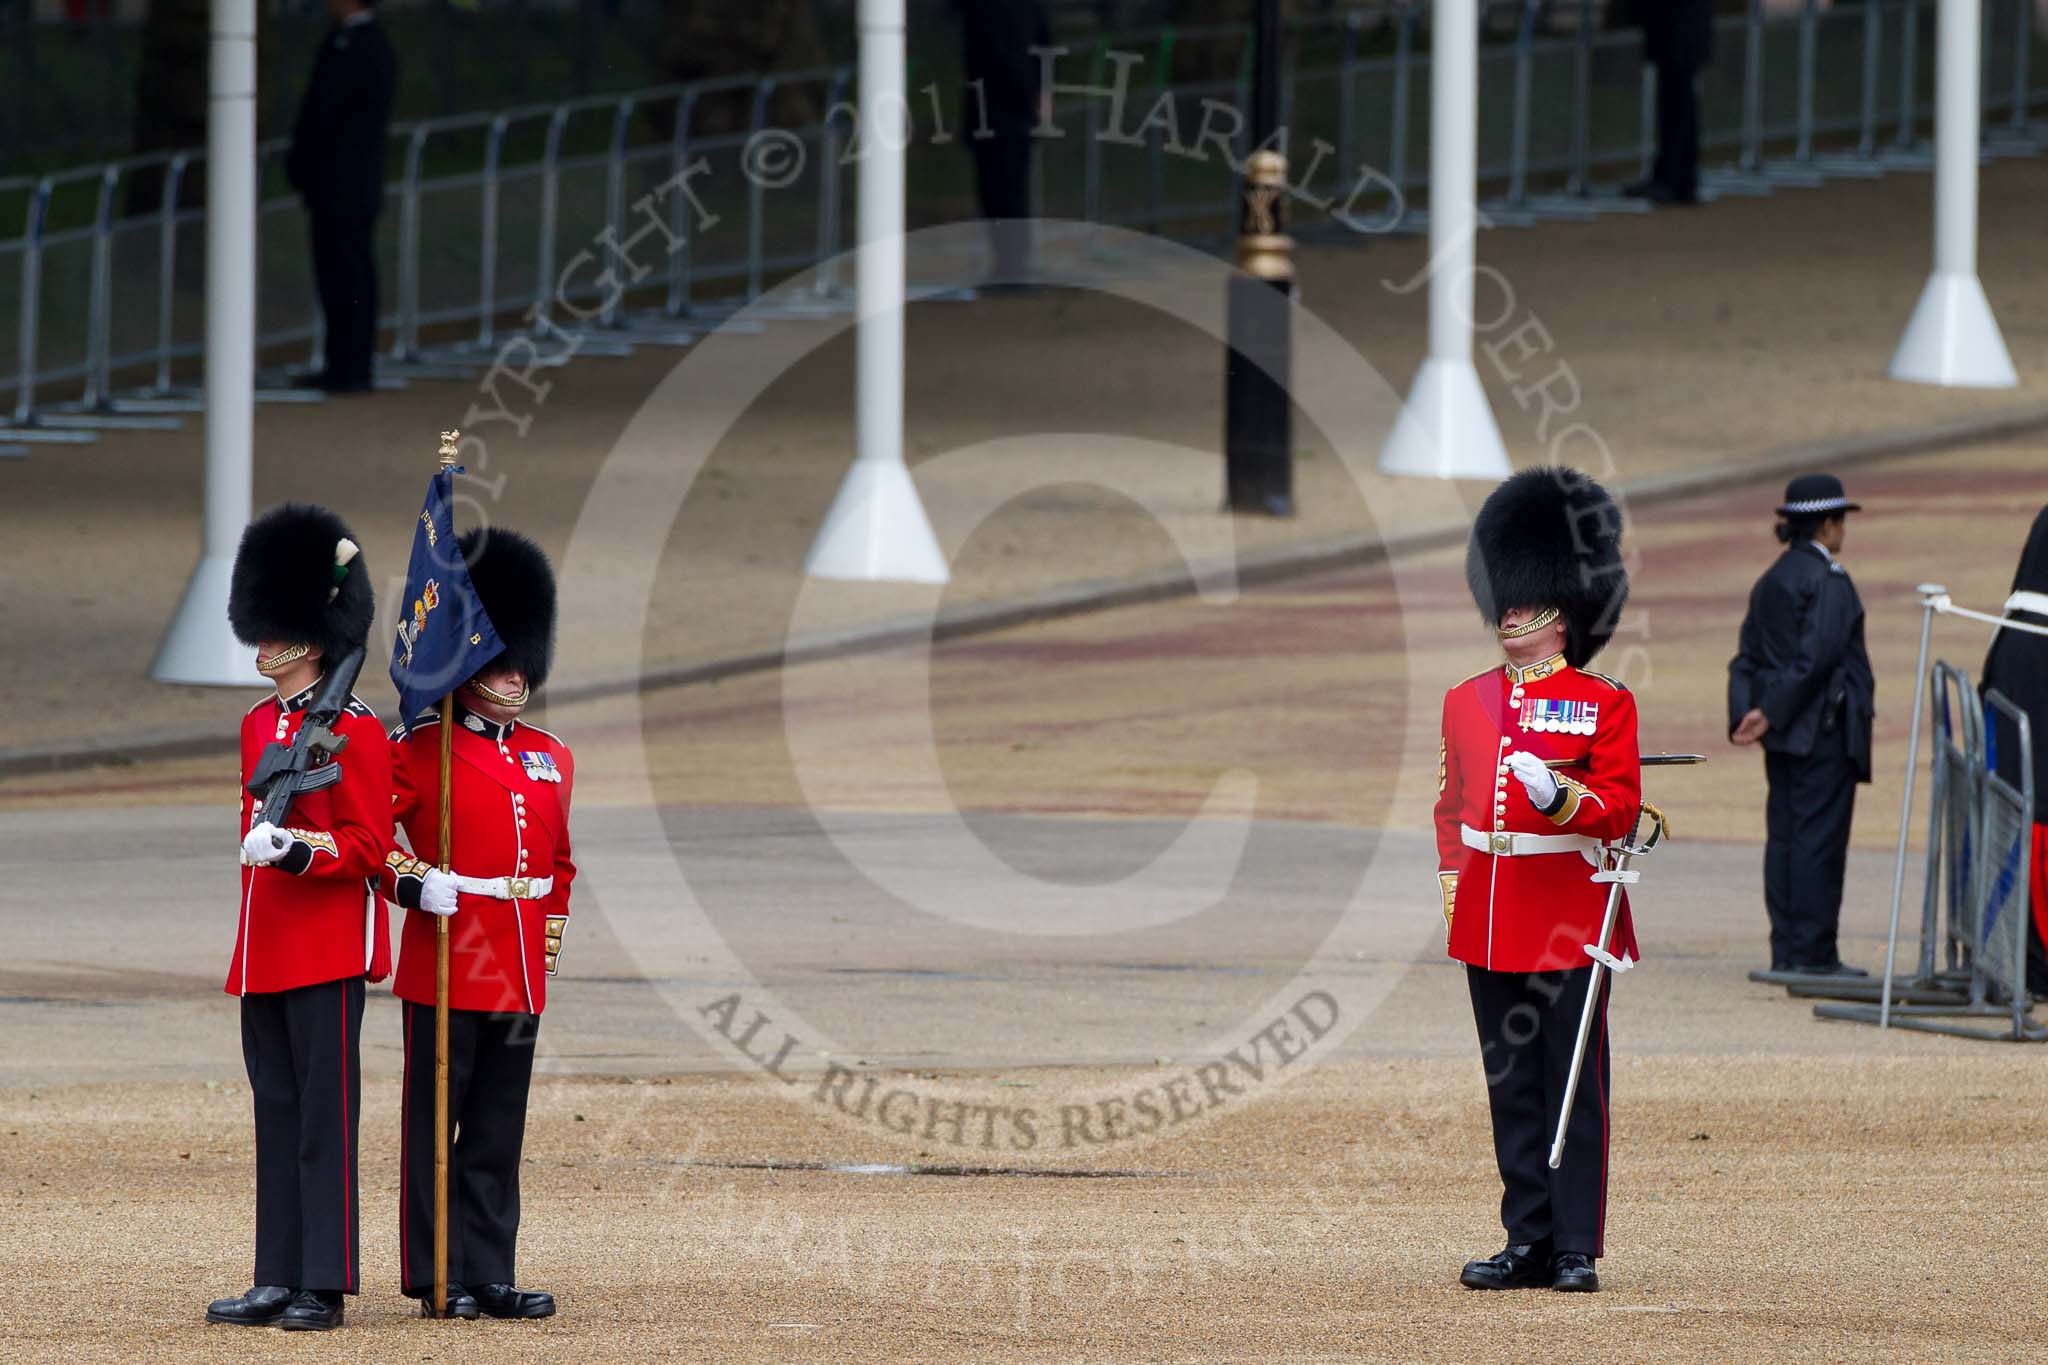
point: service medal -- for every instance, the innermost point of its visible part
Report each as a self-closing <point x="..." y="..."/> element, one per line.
<point x="1554" y="717"/>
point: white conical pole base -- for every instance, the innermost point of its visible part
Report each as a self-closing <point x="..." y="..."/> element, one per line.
<point x="1953" y="340"/>
<point x="199" y="647"/>
<point x="1446" y="428"/>
<point x="877" y="530"/>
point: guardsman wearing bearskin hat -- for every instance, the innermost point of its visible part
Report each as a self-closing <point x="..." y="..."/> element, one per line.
<point x="311" y="930"/>
<point x="1517" y="842"/>
<point x="508" y="895"/>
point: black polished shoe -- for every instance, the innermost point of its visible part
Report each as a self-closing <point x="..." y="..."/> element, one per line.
<point x="260" y="1307"/>
<point x="503" y="1301"/>
<point x="312" y="1310"/>
<point x="1842" y="969"/>
<point x="1572" y="1273"/>
<point x="1523" y="1265"/>
<point x="1657" y="192"/>
<point x="461" y="1303"/>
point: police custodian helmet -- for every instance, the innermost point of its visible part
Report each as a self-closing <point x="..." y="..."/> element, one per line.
<point x="1551" y="537"/>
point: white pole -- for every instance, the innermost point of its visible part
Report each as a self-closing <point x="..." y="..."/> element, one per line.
<point x="1446" y="429"/>
<point x="199" y="647"/>
<point x="1930" y="594"/>
<point x="1953" y="339"/>
<point x="876" y="529"/>
<point x="878" y="367"/>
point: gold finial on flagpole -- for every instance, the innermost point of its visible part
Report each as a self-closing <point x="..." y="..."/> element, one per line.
<point x="448" y="440"/>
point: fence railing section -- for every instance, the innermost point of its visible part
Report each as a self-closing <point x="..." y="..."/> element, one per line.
<point x="498" y="221"/>
<point x="1972" y="964"/>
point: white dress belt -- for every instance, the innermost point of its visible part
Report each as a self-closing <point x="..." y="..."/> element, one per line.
<point x="506" y="888"/>
<point x="1504" y="845"/>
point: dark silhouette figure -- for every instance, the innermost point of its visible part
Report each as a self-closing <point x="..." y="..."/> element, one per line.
<point x="1002" y="103"/>
<point x="337" y="166"/>
<point x="1678" y="39"/>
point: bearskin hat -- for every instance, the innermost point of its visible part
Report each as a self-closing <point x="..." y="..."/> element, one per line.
<point x="299" y="578"/>
<point x="1551" y="537"/>
<point x="516" y="584"/>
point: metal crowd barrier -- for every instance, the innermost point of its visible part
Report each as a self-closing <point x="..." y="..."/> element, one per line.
<point x="1566" y="111"/>
<point x="1975" y="899"/>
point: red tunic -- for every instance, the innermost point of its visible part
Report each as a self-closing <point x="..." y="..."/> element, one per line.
<point x="1537" y="911"/>
<point x="511" y="819"/>
<point x="321" y="923"/>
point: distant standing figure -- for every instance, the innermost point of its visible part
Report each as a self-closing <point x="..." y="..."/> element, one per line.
<point x="1801" y="684"/>
<point x="2018" y="667"/>
<point x="1002" y="102"/>
<point x="1678" y="39"/>
<point x="337" y="166"/>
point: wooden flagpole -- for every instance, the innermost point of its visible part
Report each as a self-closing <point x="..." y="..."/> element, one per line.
<point x="448" y="440"/>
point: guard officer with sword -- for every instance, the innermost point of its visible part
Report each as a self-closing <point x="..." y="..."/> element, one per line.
<point x="1538" y="807"/>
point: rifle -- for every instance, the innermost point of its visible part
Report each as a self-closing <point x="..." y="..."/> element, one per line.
<point x="285" y="772"/>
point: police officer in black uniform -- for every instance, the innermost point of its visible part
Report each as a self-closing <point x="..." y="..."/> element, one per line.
<point x="1801" y="685"/>
<point x="336" y="164"/>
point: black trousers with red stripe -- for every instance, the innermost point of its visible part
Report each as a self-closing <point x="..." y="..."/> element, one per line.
<point x="490" y="1068"/>
<point x="1528" y="1026"/>
<point x="302" y="1049"/>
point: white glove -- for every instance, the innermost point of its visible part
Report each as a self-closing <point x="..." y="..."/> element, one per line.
<point x="265" y="843"/>
<point x="437" y="892"/>
<point x="1537" y="780"/>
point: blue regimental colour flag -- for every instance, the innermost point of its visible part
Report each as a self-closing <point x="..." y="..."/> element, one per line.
<point x="444" y="634"/>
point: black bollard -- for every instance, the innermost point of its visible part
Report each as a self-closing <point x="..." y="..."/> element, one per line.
<point x="1258" y="413"/>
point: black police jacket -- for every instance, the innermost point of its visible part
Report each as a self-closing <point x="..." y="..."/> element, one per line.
<point x="1802" y="659"/>
<point x="336" y="161"/>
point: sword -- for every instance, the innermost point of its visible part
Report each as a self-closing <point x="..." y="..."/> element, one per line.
<point x="1616" y="877"/>
<point x="1646" y="761"/>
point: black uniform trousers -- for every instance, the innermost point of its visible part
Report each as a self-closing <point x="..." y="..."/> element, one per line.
<point x="1528" y="1025"/>
<point x="302" y="1049"/>
<point x="1677" y="166"/>
<point x="490" y="1067"/>
<point x="1002" y="178"/>
<point x="1806" y="848"/>
<point x="345" y="274"/>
